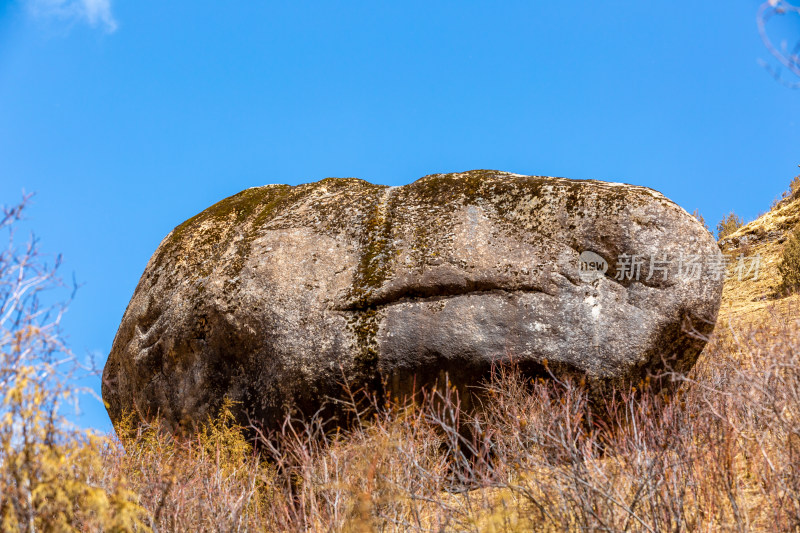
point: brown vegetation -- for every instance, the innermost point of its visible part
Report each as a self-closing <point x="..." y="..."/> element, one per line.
<point x="696" y="214"/>
<point x="721" y="453"/>
<point x="789" y="267"/>
<point x="728" y="225"/>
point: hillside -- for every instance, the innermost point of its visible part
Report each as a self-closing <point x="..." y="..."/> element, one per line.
<point x="750" y="300"/>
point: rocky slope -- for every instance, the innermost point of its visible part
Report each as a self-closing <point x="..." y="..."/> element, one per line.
<point x="748" y="299"/>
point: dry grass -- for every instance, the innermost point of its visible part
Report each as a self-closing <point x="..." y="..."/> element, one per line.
<point x="721" y="452"/>
<point x="748" y="299"/>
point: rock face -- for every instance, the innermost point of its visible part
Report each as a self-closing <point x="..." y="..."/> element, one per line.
<point x="275" y="296"/>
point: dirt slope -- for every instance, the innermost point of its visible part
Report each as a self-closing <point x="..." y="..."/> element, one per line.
<point x="748" y="299"/>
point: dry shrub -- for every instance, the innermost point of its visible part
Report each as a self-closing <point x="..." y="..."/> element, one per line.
<point x="211" y="481"/>
<point x="696" y="214"/>
<point x="794" y="189"/>
<point x="728" y="225"/>
<point x="51" y="477"/>
<point x="718" y="450"/>
<point x="50" y="473"/>
<point x="788" y="195"/>
<point x="377" y="473"/>
<point x="789" y="267"/>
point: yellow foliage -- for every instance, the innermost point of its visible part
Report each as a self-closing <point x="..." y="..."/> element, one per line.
<point x="49" y="476"/>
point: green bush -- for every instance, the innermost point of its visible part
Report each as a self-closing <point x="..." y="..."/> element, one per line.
<point x="789" y="267"/>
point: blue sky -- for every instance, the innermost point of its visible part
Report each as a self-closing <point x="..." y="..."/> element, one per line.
<point x="128" y="117"/>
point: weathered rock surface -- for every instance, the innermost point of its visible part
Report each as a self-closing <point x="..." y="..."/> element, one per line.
<point x="276" y="295"/>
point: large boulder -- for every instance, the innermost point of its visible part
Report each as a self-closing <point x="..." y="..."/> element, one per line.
<point x="276" y="296"/>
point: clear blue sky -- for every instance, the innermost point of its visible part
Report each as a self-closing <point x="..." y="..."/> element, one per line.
<point x="128" y="117"/>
